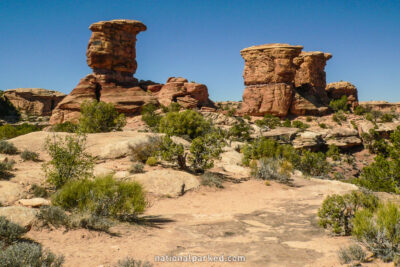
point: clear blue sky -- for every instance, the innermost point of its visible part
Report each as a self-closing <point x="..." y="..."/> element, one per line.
<point x="43" y="43"/>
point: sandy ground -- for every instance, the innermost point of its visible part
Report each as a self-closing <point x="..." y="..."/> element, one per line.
<point x="270" y="225"/>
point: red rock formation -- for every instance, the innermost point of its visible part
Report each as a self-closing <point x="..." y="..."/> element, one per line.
<point x="310" y="97"/>
<point x="111" y="54"/>
<point x="34" y="101"/>
<point x="187" y="94"/>
<point x="338" y="89"/>
<point x="269" y="74"/>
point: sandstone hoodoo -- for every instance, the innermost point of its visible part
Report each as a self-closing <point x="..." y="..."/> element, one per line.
<point x="280" y="80"/>
<point x="111" y="54"/>
<point x="34" y="101"/>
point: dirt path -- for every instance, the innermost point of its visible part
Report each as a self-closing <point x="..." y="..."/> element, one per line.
<point x="270" y="225"/>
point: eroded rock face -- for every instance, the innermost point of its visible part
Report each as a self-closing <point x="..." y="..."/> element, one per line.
<point x="187" y="94"/>
<point x="111" y="54"/>
<point x="338" y="89"/>
<point x="34" y="101"/>
<point x="310" y="97"/>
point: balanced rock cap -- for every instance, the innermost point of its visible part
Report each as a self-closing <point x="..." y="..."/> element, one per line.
<point x="133" y="26"/>
<point x="273" y="46"/>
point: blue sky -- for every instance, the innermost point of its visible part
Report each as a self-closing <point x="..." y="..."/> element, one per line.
<point x="43" y="43"/>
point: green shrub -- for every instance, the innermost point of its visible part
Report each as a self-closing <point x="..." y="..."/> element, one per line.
<point x="269" y="121"/>
<point x="287" y="123"/>
<point x="313" y="163"/>
<point x="29" y="155"/>
<point x="203" y="150"/>
<point x="373" y="115"/>
<point x="308" y="119"/>
<point x="387" y="117"/>
<point x="231" y="112"/>
<point x="211" y="180"/>
<point x="142" y="151"/>
<point x="152" y="161"/>
<point x="24" y="254"/>
<point x="136" y="168"/>
<point x="173" y="107"/>
<point x="240" y="131"/>
<point x="150" y="117"/>
<point x="9" y="231"/>
<point x="337" y="212"/>
<point x="360" y="110"/>
<point x="38" y="191"/>
<point x="91" y="222"/>
<point x="130" y="262"/>
<point x="69" y="161"/>
<point x="300" y="125"/>
<point x="10" y="131"/>
<point x="323" y="125"/>
<point x="97" y="117"/>
<point x="170" y="151"/>
<point x="333" y="152"/>
<point x="379" y="231"/>
<point x="270" y="169"/>
<point x="353" y="123"/>
<point x="54" y="216"/>
<point x="247" y="117"/>
<point x="339" y="117"/>
<point x="351" y="253"/>
<point x="102" y="196"/>
<point x="67" y="126"/>
<point x="339" y="104"/>
<point x="5" y="167"/>
<point x="187" y="123"/>
<point x="7" y="148"/>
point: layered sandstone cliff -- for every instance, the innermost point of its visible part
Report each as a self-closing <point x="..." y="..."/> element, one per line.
<point x="34" y="101"/>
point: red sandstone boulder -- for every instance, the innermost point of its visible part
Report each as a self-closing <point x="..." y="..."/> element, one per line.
<point x="338" y="89"/>
<point x="188" y="95"/>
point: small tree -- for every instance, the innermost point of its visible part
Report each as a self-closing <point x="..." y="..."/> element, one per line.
<point x="150" y="117"/>
<point x="97" y="117"/>
<point x="339" y="104"/>
<point x="69" y="161"/>
<point x="170" y="151"/>
<point x="203" y="150"/>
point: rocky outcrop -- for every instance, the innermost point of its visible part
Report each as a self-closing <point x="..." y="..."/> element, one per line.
<point x="310" y="97"/>
<point x="383" y="106"/>
<point x="338" y="89"/>
<point x="179" y="90"/>
<point x="111" y="54"/>
<point x="281" y="80"/>
<point x="268" y="75"/>
<point x="34" y="101"/>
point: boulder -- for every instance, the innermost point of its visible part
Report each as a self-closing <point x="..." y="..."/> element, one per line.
<point x="308" y="139"/>
<point x="384" y="129"/>
<point x="343" y="138"/>
<point x="166" y="182"/>
<point x="338" y="89"/>
<point x="282" y="133"/>
<point x="10" y="192"/>
<point x="23" y="216"/>
<point x="34" y="101"/>
<point x="187" y="94"/>
<point x="34" y="202"/>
